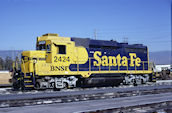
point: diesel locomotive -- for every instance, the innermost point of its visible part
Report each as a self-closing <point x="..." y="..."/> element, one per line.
<point x="67" y="62"/>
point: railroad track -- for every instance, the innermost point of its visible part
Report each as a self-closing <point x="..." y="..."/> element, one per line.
<point x="5" y="85"/>
<point x="135" y="104"/>
<point x="15" y="100"/>
<point x="152" y="103"/>
<point x="7" y="89"/>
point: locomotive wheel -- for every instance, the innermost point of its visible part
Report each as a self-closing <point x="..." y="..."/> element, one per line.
<point x="65" y="85"/>
<point x="16" y="86"/>
<point x="37" y="86"/>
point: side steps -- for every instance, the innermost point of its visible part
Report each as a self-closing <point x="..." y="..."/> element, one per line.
<point x="28" y="82"/>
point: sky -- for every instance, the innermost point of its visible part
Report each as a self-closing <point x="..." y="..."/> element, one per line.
<point x="140" y="21"/>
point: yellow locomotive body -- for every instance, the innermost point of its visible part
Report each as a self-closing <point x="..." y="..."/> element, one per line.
<point x="53" y="57"/>
<point x="59" y="62"/>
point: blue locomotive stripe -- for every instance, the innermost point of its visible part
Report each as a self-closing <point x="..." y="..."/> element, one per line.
<point x="111" y="52"/>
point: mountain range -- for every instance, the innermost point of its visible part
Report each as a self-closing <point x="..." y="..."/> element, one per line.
<point x="159" y="57"/>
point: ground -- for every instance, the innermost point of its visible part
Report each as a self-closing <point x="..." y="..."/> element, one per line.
<point x="4" y="78"/>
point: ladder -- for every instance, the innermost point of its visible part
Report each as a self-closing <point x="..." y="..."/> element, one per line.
<point x="28" y="82"/>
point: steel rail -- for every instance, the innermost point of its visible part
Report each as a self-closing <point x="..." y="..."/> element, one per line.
<point x="94" y="105"/>
<point x="5" y="85"/>
<point x="11" y="97"/>
<point x="124" y="102"/>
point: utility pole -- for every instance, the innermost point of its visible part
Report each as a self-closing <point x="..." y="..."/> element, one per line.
<point x="12" y="53"/>
<point x="125" y="39"/>
<point x="171" y="34"/>
<point x="95" y="34"/>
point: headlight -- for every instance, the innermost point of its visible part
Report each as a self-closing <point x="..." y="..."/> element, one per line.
<point x="34" y="61"/>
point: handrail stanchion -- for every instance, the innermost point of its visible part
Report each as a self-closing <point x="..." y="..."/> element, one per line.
<point x="89" y="64"/>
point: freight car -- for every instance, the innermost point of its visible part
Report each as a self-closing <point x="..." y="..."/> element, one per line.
<point x="66" y="62"/>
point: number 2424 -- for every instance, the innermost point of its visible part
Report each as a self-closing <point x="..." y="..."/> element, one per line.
<point x="61" y="59"/>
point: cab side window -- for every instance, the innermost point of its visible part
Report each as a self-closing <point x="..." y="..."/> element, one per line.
<point x="61" y="49"/>
<point x="48" y="47"/>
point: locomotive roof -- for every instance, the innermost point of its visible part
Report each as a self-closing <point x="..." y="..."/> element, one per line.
<point x="87" y="42"/>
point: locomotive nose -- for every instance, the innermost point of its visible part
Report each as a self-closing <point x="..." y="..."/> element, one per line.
<point x="33" y="55"/>
<point x="29" y="58"/>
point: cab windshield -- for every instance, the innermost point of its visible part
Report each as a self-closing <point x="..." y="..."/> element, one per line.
<point x="41" y="45"/>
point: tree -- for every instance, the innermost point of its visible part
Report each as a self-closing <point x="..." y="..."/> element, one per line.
<point x="2" y="64"/>
<point x="8" y="63"/>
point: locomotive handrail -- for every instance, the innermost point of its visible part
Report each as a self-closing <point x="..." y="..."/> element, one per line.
<point x="89" y="64"/>
<point x="77" y="65"/>
<point x="24" y="67"/>
<point x="143" y="65"/>
<point x="118" y="67"/>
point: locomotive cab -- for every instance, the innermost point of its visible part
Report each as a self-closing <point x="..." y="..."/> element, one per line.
<point x="46" y="46"/>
